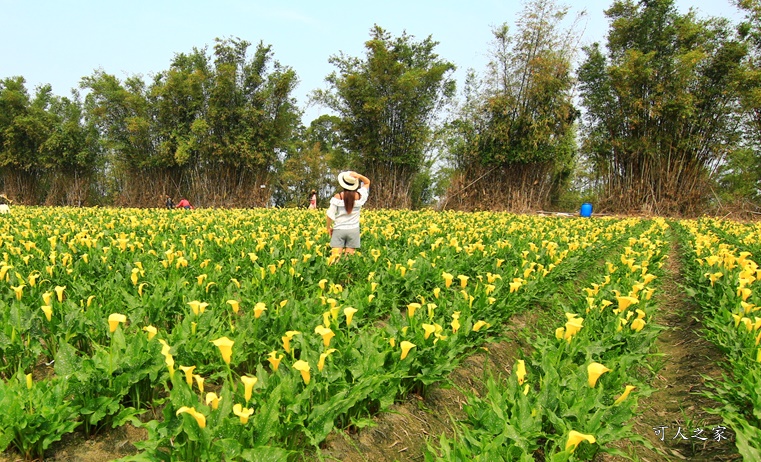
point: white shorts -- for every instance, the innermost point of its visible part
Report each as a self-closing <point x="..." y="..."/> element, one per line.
<point x="345" y="238"/>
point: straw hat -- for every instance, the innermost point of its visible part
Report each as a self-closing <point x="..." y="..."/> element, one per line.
<point x="347" y="181"/>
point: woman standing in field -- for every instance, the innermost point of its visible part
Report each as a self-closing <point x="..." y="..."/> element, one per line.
<point x="343" y="212"/>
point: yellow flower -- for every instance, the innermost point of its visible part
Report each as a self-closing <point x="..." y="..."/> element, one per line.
<point x="560" y="333"/>
<point x="626" y="302"/>
<point x="406" y="347"/>
<point x="322" y="283"/>
<point x="248" y="386"/>
<point x="463" y="280"/>
<point x="455" y="325"/>
<point x="234" y="304"/>
<point x="411" y="308"/>
<point x="595" y="370"/>
<point x="114" y="319"/>
<point x="59" y="292"/>
<point x="274" y="360"/>
<point x="151" y="331"/>
<point x="200" y="418"/>
<point x="638" y="324"/>
<point x="199" y="382"/>
<point x="19" y="290"/>
<point x="349" y="313"/>
<point x="259" y="308"/>
<point x="243" y="413"/>
<point x="225" y="346"/>
<point x="574" y="438"/>
<point x="287" y="339"/>
<point x="429" y="329"/>
<point x="46" y="296"/>
<point x="29" y="381"/>
<point x="188" y="370"/>
<point x="743" y="293"/>
<point x="625" y="394"/>
<point x="197" y="306"/>
<point x="447" y="279"/>
<point x="520" y="371"/>
<point x="516" y="284"/>
<point x="213" y="400"/>
<point x="303" y="367"/>
<point x="48" y="310"/>
<point x="323" y="356"/>
<point x="436" y="292"/>
<point x="572" y="327"/>
<point x="479" y="324"/>
<point x="326" y="333"/>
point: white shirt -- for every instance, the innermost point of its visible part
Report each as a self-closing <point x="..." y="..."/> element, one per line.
<point x="337" y="211"/>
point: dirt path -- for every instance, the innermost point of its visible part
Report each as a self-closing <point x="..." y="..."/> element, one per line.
<point x="676" y="408"/>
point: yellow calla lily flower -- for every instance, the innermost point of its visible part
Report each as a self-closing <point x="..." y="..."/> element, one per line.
<point x="242" y="413"/>
<point x="574" y="438"/>
<point x="303" y="367"/>
<point x="248" y="386"/>
<point x="114" y="320"/>
<point x="200" y="418"/>
<point x="225" y="346"/>
<point x="594" y="371"/>
<point x="406" y="347"/>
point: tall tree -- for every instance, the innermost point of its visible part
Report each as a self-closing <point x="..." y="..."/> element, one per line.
<point x="24" y="127"/>
<point x="660" y="108"/>
<point x="512" y="141"/>
<point x="388" y="103"/>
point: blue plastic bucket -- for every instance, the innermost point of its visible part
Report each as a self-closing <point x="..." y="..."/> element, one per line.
<point x="586" y="209"/>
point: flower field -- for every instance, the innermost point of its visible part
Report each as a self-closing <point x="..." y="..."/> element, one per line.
<point x="235" y="335"/>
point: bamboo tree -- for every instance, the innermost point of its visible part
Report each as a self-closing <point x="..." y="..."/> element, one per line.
<point x="515" y="129"/>
<point x="388" y="102"/>
<point x="660" y="107"/>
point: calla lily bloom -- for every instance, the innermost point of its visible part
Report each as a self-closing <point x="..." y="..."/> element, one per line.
<point x="406" y="347"/>
<point x="19" y="290"/>
<point x="29" y="381"/>
<point x="429" y="329"/>
<point x="480" y="324"/>
<point x="151" y="331"/>
<point x="574" y="438"/>
<point x="349" y="313"/>
<point x="213" y="400"/>
<point x="626" y="302"/>
<point x="595" y="370"/>
<point x="323" y="357"/>
<point x="198" y="307"/>
<point x="248" y="386"/>
<point x="188" y="370"/>
<point x="274" y="360"/>
<point x="326" y="333"/>
<point x="520" y="371"/>
<point x="234" y="304"/>
<point x="225" y="346"/>
<point x="114" y="320"/>
<point x="199" y="382"/>
<point x="436" y="292"/>
<point x="447" y="279"/>
<point x="46" y="297"/>
<point x="59" y="292"/>
<point x="259" y="308"/>
<point x="411" y="308"/>
<point x="242" y="413"/>
<point x="638" y="324"/>
<point x="463" y="280"/>
<point x="303" y="367"/>
<point x="200" y="418"/>
<point x="48" y="310"/>
<point x="287" y="339"/>
<point x="624" y="395"/>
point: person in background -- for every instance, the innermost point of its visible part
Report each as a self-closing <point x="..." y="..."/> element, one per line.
<point x="313" y="199"/>
<point x="5" y="204"/>
<point x="343" y="213"/>
<point x="169" y="203"/>
<point x="184" y="203"/>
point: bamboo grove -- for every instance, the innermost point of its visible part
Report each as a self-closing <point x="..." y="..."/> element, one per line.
<point x="662" y="118"/>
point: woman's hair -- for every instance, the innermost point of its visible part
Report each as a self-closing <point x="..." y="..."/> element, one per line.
<point x="349" y="199"/>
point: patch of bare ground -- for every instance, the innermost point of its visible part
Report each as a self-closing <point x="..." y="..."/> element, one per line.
<point x="674" y="415"/>
<point x="106" y="446"/>
<point x="402" y="433"/>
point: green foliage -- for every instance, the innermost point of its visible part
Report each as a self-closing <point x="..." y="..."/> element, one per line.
<point x="660" y="106"/>
<point x="387" y="104"/>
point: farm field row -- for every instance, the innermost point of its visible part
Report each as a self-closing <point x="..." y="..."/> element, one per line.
<point x="233" y="334"/>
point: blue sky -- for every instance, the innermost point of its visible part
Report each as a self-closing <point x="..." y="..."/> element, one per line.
<point x="59" y="42"/>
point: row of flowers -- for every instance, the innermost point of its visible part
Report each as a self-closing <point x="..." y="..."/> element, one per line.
<point x="723" y="279"/>
<point x="576" y="392"/>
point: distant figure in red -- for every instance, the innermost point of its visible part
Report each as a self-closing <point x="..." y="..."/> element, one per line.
<point x="313" y="199"/>
<point x="184" y="204"/>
